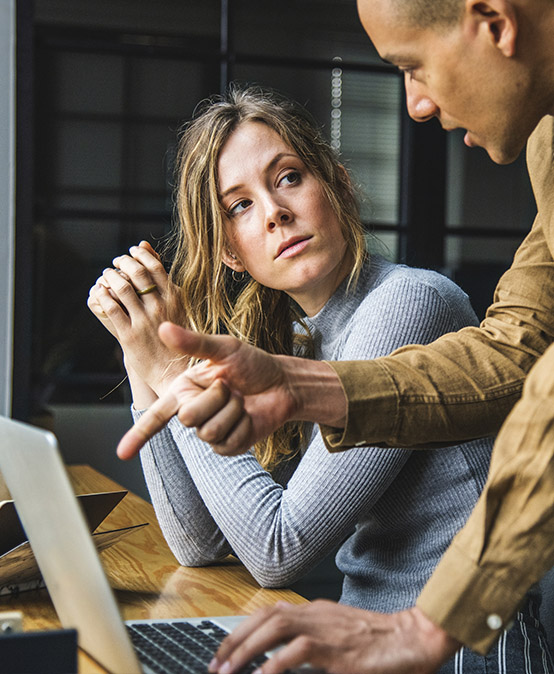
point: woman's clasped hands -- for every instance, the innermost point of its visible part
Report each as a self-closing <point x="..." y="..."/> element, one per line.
<point x="131" y="300"/>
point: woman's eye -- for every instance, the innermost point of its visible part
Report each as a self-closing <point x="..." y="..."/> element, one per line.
<point x="290" y="178"/>
<point x="239" y="207"/>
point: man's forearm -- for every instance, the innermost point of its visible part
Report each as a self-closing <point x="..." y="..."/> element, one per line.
<point x="317" y="391"/>
<point x="460" y="387"/>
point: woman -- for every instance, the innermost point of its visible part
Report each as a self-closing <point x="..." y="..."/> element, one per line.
<point x="270" y="248"/>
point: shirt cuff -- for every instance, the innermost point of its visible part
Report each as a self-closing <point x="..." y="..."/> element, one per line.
<point x="470" y="604"/>
<point x="380" y="398"/>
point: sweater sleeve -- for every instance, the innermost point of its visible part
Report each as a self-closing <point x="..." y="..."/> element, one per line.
<point x="281" y="528"/>
<point x="188" y="527"/>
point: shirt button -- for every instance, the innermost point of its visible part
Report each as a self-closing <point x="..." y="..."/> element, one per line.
<point x="494" y="621"/>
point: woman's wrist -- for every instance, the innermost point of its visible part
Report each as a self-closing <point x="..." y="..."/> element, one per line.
<point x="143" y="395"/>
<point x="175" y="367"/>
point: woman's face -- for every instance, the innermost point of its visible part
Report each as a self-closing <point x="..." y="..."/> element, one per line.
<point x="279" y="224"/>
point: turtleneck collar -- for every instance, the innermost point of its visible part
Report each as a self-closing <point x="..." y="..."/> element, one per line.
<point x="329" y="323"/>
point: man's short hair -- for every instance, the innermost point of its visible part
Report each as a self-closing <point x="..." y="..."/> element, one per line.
<point x="430" y="13"/>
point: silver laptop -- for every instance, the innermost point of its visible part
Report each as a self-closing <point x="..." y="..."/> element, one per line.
<point x="32" y="467"/>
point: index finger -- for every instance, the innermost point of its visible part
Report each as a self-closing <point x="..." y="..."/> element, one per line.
<point x="150" y="423"/>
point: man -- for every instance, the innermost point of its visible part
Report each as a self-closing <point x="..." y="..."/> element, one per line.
<point x="486" y="66"/>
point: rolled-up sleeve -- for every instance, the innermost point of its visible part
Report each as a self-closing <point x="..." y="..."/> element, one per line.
<point x="508" y="542"/>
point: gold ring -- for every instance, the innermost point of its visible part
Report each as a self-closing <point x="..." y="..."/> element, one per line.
<point x="145" y="291"/>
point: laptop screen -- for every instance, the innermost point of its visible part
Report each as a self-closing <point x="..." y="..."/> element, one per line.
<point x="34" y="472"/>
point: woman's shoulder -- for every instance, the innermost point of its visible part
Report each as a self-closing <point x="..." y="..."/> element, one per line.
<point x="386" y="274"/>
<point x="396" y="284"/>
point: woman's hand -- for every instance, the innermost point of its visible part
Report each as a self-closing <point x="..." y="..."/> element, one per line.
<point x="130" y="300"/>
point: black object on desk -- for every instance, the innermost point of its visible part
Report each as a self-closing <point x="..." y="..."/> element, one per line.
<point x="48" y="652"/>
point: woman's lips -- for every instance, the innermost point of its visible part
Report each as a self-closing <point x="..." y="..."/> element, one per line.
<point x="293" y="248"/>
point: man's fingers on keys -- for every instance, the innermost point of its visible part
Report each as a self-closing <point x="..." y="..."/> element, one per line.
<point x="300" y="651"/>
<point x="150" y="423"/>
<point x="233" y="644"/>
<point x="262" y="631"/>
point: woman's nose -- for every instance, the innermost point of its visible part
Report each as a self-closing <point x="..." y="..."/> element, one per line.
<point x="277" y="215"/>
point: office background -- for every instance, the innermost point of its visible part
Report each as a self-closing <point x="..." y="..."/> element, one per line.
<point x="102" y="87"/>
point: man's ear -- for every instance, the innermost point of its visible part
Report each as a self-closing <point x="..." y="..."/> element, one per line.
<point x="499" y="19"/>
<point x="232" y="261"/>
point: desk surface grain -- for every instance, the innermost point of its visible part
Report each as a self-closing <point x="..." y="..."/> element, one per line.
<point x="147" y="580"/>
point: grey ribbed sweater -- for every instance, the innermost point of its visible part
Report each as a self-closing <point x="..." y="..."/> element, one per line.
<point x="397" y="509"/>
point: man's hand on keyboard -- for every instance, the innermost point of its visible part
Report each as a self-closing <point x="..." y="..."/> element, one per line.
<point x="238" y="395"/>
<point x="340" y="639"/>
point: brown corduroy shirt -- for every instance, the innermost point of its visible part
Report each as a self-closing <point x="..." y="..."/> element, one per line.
<point x="470" y="384"/>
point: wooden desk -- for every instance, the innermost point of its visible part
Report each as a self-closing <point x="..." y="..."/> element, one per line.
<point x="147" y="581"/>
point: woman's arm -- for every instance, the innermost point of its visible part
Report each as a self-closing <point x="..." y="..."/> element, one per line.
<point x="133" y="320"/>
<point x="188" y="527"/>
<point x="279" y="532"/>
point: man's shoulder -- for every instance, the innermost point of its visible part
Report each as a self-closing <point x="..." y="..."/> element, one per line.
<point x="540" y="163"/>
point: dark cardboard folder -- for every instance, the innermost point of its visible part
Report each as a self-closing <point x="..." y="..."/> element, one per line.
<point x="18" y="568"/>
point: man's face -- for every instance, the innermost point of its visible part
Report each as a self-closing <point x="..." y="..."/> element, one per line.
<point x="458" y="75"/>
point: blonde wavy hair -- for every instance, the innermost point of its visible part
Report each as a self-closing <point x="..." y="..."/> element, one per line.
<point x="210" y="299"/>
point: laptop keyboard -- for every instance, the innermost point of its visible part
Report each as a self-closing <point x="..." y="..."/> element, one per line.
<point x="179" y="647"/>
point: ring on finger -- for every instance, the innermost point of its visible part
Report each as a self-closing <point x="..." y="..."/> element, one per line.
<point x="148" y="289"/>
